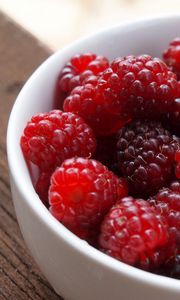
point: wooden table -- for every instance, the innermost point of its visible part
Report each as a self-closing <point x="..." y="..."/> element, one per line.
<point x="20" y="279"/>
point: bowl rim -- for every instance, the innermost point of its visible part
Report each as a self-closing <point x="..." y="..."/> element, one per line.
<point x="40" y="210"/>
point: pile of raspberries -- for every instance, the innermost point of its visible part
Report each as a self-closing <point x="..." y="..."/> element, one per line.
<point x="109" y="156"/>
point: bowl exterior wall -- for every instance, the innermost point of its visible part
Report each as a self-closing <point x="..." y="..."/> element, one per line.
<point x="72" y="273"/>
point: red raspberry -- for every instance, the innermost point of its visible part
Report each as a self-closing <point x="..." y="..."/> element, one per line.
<point x="146" y="85"/>
<point x="42" y="186"/>
<point x="79" y="68"/>
<point x="146" y="156"/>
<point x="99" y="112"/>
<point x="177" y="159"/>
<point x="50" y="138"/>
<point x="139" y="86"/>
<point x="167" y="202"/>
<point x="172" y="56"/>
<point x="81" y="193"/>
<point x="134" y="233"/>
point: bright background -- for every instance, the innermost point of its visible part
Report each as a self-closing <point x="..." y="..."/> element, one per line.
<point x="58" y="22"/>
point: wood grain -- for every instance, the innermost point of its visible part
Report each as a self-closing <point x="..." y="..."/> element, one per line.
<point x="20" y="279"/>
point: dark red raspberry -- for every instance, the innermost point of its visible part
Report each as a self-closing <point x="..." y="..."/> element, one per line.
<point x="79" y="68"/>
<point x="50" y="138"/>
<point x="167" y="202"/>
<point x="106" y="152"/>
<point x="177" y="159"/>
<point x="146" y="156"/>
<point x="172" y="56"/>
<point x="42" y="186"/>
<point x="133" y="232"/>
<point x="81" y="193"/>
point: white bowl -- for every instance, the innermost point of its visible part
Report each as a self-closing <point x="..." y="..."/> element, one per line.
<point x="76" y="270"/>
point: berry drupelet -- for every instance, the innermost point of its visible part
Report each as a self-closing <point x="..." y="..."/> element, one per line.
<point x="146" y="156"/>
<point x="81" y="193"/>
<point x="133" y="232"/>
<point x="50" y="138"/>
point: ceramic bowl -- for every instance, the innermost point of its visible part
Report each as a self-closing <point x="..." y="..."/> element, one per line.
<point x="76" y="270"/>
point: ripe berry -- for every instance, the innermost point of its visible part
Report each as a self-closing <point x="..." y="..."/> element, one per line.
<point x="79" y="68"/>
<point x="146" y="85"/>
<point x="81" y="193"/>
<point x="50" y="138"/>
<point x="134" y="233"/>
<point x="146" y="156"/>
<point x="96" y="110"/>
<point x="172" y="56"/>
<point x="167" y="202"/>
<point x="133" y="86"/>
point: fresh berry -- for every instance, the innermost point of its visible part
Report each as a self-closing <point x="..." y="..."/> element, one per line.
<point x="177" y="159"/>
<point x="167" y="202"/>
<point x="134" y="86"/>
<point x="42" y="186"/>
<point x="146" y="85"/>
<point x="172" y="56"/>
<point x="146" y="156"/>
<point x="106" y="152"/>
<point x="99" y="112"/>
<point x="133" y="232"/>
<point x="81" y="193"/>
<point x="50" y="138"/>
<point x="79" y="68"/>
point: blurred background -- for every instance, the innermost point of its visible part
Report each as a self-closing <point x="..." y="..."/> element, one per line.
<point x="58" y="22"/>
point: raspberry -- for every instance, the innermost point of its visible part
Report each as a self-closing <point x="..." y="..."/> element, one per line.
<point x="167" y="202"/>
<point x="79" y="68"/>
<point x="50" y="138"/>
<point x="98" y="112"/>
<point x="146" y="156"/>
<point x="134" y="233"/>
<point x="42" y="186"/>
<point x="146" y="86"/>
<point x="177" y="159"/>
<point x="172" y="56"/>
<point x="81" y="193"/>
<point x="133" y="86"/>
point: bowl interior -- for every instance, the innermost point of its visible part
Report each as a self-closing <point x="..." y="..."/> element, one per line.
<point x="142" y="37"/>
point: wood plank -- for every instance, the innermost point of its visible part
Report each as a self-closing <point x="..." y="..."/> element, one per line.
<point x="20" y="278"/>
